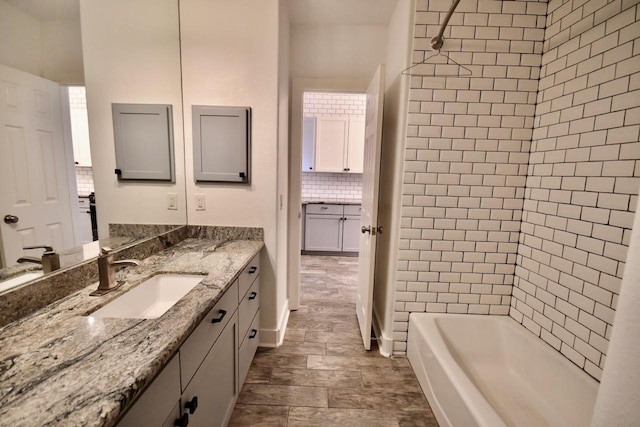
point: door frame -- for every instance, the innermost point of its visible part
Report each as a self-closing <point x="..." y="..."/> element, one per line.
<point x="298" y="87"/>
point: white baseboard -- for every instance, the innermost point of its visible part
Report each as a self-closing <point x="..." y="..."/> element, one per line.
<point x="273" y="338"/>
<point x="385" y="343"/>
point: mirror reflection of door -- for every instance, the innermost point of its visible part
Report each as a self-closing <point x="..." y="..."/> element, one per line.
<point x="34" y="183"/>
<point x="40" y="183"/>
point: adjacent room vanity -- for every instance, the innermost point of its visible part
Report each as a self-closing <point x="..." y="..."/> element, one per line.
<point x="331" y="227"/>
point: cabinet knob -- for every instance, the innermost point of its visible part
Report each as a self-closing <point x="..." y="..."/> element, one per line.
<point x="253" y="334"/>
<point x="192" y="405"/>
<point x="219" y="318"/>
<point x="253" y="295"/>
<point x="253" y="269"/>
<point x="183" y="421"/>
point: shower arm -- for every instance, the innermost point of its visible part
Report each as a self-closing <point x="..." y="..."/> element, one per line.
<point x="437" y="41"/>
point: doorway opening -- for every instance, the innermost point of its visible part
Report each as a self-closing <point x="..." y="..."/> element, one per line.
<point x="78" y="120"/>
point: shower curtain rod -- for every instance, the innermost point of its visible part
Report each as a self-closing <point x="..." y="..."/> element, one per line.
<point x="437" y="41"/>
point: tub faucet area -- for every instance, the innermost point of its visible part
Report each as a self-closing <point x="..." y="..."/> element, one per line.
<point x="107" y="273"/>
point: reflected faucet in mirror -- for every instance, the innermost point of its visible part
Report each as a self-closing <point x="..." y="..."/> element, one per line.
<point x="107" y="271"/>
<point x="50" y="260"/>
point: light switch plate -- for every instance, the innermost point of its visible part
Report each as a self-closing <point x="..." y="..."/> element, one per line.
<point x="200" y="203"/>
<point x="172" y="201"/>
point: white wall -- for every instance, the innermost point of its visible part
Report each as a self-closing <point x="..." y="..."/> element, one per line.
<point x="62" y="51"/>
<point x="398" y="50"/>
<point x="337" y="51"/>
<point x="20" y="40"/>
<point x="618" y="402"/>
<point x="131" y="55"/>
<point x="49" y="49"/>
<point x="230" y="57"/>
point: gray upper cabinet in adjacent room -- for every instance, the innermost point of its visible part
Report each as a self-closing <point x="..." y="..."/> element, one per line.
<point x="143" y="136"/>
<point x="221" y="143"/>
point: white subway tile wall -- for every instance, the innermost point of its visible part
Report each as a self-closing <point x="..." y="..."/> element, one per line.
<point x="84" y="180"/>
<point x="583" y="178"/>
<point x="527" y="172"/>
<point x="333" y="104"/>
<point x="332" y="186"/>
<point x="466" y="158"/>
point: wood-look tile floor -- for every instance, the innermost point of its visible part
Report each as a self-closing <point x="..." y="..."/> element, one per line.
<point x="321" y="375"/>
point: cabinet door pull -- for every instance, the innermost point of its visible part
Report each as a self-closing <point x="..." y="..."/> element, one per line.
<point x="253" y="295"/>
<point x="192" y="405"/>
<point x="253" y="334"/>
<point x="219" y="318"/>
<point x="183" y="421"/>
<point x="253" y="269"/>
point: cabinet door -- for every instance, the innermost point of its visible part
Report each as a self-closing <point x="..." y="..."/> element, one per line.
<point x="308" y="143"/>
<point x="355" y="150"/>
<point x="331" y="142"/>
<point x="215" y="384"/>
<point x="154" y="407"/>
<point x="351" y="234"/>
<point x="323" y="233"/>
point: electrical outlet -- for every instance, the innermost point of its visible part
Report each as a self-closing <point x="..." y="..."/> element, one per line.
<point x="200" y="205"/>
<point x="172" y="201"/>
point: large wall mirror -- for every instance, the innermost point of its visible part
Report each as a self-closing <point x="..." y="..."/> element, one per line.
<point x="57" y="159"/>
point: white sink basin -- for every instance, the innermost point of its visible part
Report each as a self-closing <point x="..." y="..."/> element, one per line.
<point x="19" y="280"/>
<point x="150" y="299"/>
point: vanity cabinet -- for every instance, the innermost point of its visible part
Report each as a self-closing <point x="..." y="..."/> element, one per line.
<point x="338" y="145"/>
<point x="332" y="228"/>
<point x="200" y="385"/>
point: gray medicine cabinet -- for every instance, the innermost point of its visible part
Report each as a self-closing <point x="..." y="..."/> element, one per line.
<point x="143" y="135"/>
<point x="221" y="144"/>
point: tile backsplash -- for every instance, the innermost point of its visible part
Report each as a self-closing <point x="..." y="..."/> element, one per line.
<point x="84" y="180"/>
<point x="332" y="185"/>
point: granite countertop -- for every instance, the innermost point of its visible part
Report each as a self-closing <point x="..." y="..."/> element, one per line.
<point x="60" y="367"/>
<point x="318" y="200"/>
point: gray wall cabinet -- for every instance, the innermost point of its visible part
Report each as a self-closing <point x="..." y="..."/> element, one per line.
<point x="143" y="136"/>
<point x="221" y="143"/>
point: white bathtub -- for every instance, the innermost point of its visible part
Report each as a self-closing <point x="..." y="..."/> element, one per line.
<point x="489" y="371"/>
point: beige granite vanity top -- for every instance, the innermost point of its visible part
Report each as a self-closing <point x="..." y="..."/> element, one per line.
<point x="61" y="367"/>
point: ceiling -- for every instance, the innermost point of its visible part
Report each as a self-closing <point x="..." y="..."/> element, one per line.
<point x="350" y="12"/>
<point x="47" y="10"/>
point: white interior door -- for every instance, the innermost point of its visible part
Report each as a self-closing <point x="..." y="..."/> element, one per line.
<point x="33" y="166"/>
<point x="370" y="187"/>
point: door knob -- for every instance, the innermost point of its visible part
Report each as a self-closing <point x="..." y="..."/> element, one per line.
<point x="11" y="219"/>
<point x="366" y="229"/>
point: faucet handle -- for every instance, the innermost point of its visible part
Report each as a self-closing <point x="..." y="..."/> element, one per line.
<point x="46" y="248"/>
<point x="105" y="250"/>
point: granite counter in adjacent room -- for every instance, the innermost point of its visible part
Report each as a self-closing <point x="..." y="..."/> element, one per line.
<point x="316" y="200"/>
<point x="61" y="367"/>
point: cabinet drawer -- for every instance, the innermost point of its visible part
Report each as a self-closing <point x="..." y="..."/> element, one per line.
<point x="196" y="347"/>
<point x="248" y="308"/>
<point x="153" y="407"/>
<point x="248" y="347"/>
<point x="324" y="209"/>
<point x="353" y="210"/>
<point x="248" y="275"/>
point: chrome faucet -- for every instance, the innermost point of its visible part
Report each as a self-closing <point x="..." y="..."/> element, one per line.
<point x="107" y="271"/>
<point x="50" y="260"/>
